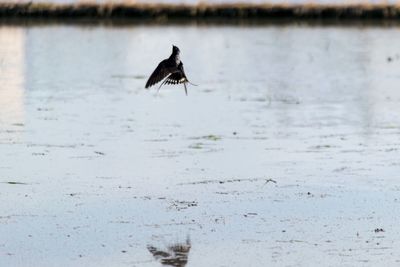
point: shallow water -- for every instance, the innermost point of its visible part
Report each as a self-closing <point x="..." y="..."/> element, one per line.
<point x="96" y="170"/>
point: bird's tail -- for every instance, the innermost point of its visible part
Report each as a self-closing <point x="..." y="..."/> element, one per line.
<point x="191" y="83"/>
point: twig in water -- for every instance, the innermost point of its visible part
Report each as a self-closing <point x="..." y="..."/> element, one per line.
<point x="270" y="180"/>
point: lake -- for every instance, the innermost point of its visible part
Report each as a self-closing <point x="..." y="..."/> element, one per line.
<point x="285" y="154"/>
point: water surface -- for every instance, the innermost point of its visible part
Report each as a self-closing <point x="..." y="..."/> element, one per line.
<point x="286" y="154"/>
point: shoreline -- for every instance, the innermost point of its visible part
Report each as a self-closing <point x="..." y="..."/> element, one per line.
<point x="200" y="11"/>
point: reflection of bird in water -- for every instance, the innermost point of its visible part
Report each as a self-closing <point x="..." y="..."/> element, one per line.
<point x="175" y="255"/>
<point x="171" y="69"/>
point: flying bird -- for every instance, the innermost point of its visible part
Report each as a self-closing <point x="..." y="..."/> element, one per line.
<point x="170" y="69"/>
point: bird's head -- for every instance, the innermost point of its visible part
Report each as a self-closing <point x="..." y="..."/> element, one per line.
<point x="175" y="50"/>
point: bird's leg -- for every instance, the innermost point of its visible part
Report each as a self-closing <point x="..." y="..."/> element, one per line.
<point x="184" y="84"/>
<point x="158" y="90"/>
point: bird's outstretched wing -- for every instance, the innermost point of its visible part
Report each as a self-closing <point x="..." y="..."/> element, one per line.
<point x="158" y="74"/>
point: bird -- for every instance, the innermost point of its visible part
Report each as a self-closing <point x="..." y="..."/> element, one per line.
<point x="171" y="70"/>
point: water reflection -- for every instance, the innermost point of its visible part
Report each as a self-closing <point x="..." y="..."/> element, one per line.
<point x="12" y="43"/>
<point x="173" y="255"/>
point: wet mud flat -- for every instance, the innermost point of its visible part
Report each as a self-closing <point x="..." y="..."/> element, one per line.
<point x="199" y="11"/>
<point x="292" y="160"/>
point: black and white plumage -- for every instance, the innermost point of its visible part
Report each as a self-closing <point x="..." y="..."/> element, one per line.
<point x="170" y="69"/>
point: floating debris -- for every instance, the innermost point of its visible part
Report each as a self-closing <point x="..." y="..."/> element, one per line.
<point x="182" y="205"/>
<point x="229" y="181"/>
<point x="196" y="146"/>
<point x="212" y="137"/>
<point x="270" y="181"/>
<point x="18" y="183"/>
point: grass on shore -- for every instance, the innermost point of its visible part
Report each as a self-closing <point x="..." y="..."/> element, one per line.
<point x="201" y="10"/>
